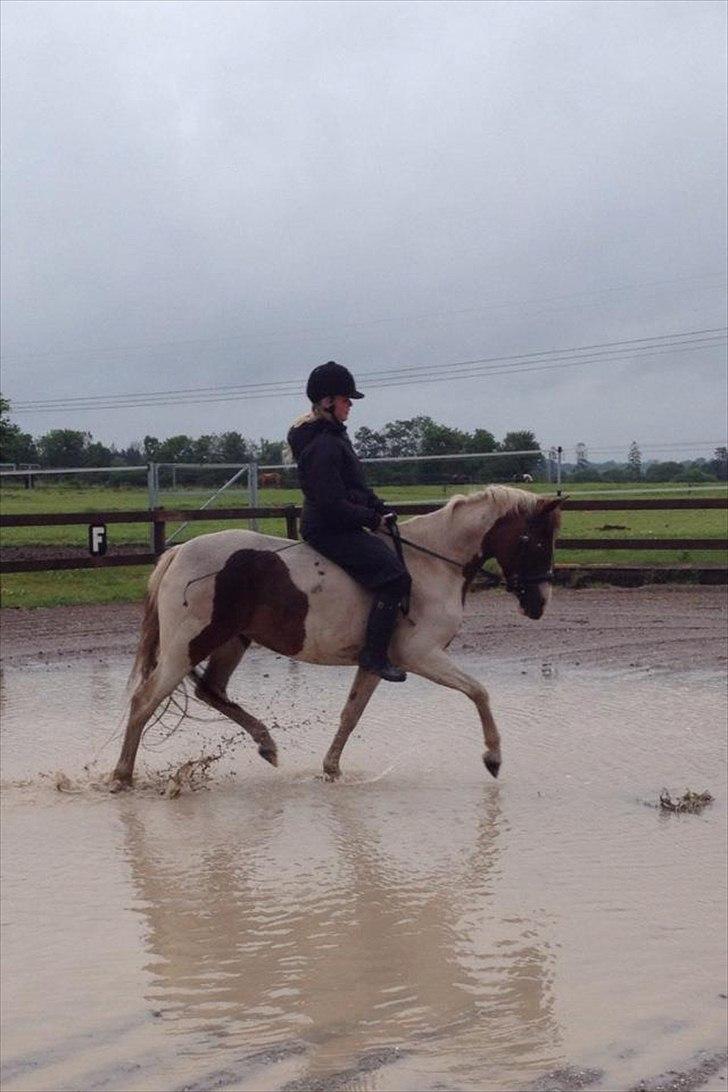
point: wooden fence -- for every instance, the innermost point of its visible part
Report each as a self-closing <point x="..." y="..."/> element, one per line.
<point x="160" y="517"/>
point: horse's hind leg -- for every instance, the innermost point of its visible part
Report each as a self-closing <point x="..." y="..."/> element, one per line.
<point x="211" y="687"/>
<point x="168" y="674"/>
<point x="364" y="685"/>
<point x="438" y="666"/>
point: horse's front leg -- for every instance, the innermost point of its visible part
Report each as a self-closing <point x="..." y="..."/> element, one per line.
<point x="364" y="685"/>
<point x="438" y="666"/>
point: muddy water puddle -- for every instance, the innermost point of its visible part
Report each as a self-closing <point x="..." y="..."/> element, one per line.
<point x="417" y="925"/>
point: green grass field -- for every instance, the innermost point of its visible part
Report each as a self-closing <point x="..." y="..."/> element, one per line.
<point x="123" y="585"/>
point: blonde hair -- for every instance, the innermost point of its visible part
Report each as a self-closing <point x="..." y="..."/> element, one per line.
<point x="316" y="413"/>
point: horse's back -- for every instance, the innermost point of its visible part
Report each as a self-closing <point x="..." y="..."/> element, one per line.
<point x="221" y="544"/>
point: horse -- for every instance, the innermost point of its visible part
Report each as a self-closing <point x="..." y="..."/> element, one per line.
<point x="270" y="480"/>
<point x="209" y="598"/>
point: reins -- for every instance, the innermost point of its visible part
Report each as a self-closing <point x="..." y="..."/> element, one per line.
<point x="394" y="532"/>
<point x="518" y="583"/>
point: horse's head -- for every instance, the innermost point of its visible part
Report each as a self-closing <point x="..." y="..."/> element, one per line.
<point x="522" y="542"/>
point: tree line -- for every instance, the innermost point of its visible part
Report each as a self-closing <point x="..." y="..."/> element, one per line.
<point x="422" y="436"/>
<point x="418" y="436"/>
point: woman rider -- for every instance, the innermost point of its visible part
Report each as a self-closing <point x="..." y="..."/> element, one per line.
<point x="338" y="507"/>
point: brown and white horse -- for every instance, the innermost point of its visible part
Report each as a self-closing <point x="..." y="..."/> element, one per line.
<point x="209" y="598"/>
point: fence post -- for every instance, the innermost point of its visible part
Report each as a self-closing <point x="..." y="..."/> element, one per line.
<point x="559" y="452"/>
<point x="253" y="491"/>
<point x="158" y="532"/>
<point x="291" y="521"/>
<point x="152" y="500"/>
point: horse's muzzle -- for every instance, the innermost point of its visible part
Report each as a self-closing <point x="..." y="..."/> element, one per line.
<point x="533" y="598"/>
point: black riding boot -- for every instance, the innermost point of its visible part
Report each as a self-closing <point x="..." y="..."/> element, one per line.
<point x="380" y="627"/>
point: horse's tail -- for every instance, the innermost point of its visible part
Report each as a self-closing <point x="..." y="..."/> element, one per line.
<point x="146" y="657"/>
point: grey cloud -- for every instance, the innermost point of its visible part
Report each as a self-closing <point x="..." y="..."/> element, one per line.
<point x="382" y="183"/>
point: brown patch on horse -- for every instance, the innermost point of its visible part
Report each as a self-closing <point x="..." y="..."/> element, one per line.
<point x="255" y="598"/>
<point x="501" y="540"/>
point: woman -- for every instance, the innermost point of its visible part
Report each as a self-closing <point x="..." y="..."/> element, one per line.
<point x="338" y="507"/>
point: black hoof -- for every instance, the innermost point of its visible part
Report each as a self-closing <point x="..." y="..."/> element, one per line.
<point x="268" y="755"/>
<point x="492" y="765"/>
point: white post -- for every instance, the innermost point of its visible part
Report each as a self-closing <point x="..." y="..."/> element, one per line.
<point x="153" y="497"/>
<point x="559" y="451"/>
<point x="253" y="491"/>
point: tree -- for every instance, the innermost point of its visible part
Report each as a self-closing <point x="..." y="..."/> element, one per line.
<point x="64" y="447"/>
<point x="634" y="462"/>
<point x="15" y="446"/>
<point x="719" y="463"/>
<point x="523" y="440"/>
<point x="176" y="449"/>
<point x="202" y="450"/>
<point x="132" y="455"/>
<point x="98" y="454"/>
<point x="404" y="438"/>
<point x="441" y="439"/>
<point x="663" y="472"/>
<point x="481" y="441"/>
<point x="232" y="448"/>
<point x="270" y="452"/>
<point x="695" y="474"/>
<point x="150" y="449"/>
<point x="369" y="444"/>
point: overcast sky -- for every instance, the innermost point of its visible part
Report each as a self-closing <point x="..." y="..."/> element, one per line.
<point x="200" y="194"/>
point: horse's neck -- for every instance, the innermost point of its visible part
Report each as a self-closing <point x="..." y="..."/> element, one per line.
<point x="443" y="532"/>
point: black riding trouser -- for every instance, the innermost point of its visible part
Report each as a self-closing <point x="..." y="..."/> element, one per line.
<point x="366" y="558"/>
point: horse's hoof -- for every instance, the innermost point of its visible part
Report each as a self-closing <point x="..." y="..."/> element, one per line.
<point x="119" y="784"/>
<point x="332" y="773"/>
<point x="492" y="764"/>
<point x="268" y="754"/>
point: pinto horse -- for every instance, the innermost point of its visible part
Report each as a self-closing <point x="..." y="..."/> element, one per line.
<point x="211" y="597"/>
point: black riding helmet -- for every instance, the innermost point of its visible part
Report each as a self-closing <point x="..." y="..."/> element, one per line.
<point x="330" y="379"/>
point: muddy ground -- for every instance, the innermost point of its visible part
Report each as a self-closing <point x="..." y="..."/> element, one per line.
<point x="680" y="628"/>
<point x="417" y="925"/>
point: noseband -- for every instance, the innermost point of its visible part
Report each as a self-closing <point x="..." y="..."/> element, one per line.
<point x="520" y="581"/>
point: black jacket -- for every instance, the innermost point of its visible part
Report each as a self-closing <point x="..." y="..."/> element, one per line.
<point x="336" y="497"/>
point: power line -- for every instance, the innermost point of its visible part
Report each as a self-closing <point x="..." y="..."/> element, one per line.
<point x="409" y="381"/>
<point x="607" y="352"/>
<point x="715" y="333"/>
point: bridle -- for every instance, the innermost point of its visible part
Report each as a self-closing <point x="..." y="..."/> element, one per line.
<point x="517" y="583"/>
<point x="520" y="581"/>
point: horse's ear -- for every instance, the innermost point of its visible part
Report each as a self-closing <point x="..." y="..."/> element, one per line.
<point x="549" y="504"/>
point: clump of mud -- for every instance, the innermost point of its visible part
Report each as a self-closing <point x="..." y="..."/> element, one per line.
<point x="194" y="774"/>
<point x="690" y="801"/>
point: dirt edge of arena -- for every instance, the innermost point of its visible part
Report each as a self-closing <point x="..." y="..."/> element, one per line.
<point x="654" y="627"/>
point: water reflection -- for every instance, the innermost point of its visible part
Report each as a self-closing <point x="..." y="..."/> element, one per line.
<point x="347" y="919"/>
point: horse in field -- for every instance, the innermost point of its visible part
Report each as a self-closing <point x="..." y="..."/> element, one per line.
<point x="270" y="480"/>
<point x="210" y="598"/>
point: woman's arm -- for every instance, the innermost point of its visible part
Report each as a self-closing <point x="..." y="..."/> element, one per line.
<point x="321" y="464"/>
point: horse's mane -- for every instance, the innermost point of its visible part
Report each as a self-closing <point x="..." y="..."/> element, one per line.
<point x="504" y="499"/>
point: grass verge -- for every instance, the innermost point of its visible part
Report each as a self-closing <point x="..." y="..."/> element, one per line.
<point x="74" y="586"/>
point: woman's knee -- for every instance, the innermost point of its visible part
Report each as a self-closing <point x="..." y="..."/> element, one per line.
<point x="398" y="586"/>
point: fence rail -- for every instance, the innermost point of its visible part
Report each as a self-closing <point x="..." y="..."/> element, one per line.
<point x="158" y="518"/>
